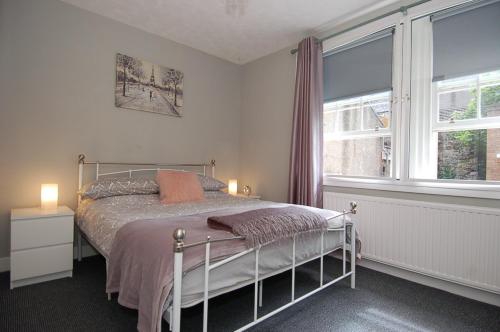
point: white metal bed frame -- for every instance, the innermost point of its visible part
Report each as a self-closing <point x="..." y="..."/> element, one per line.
<point x="174" y="310"/>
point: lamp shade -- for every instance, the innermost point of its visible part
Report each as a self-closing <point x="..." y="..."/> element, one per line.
<point x="49" y="195"/>
<point x="232" y="186"/>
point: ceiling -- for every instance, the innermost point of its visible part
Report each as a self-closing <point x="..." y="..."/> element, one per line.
<point x="235" y="30"/>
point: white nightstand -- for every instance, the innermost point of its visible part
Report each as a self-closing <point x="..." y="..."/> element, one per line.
<point x="41" y="245"/>
<point x="249" y="196"/>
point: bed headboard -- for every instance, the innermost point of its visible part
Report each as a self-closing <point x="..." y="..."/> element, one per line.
<point x="107" y="168"/>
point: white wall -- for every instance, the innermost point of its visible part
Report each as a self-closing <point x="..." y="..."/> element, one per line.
<point x="57" y="75"/>
<point x="266" y="122"/>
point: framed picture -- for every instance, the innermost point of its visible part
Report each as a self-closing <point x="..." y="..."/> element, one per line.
<point x="143" y="86"/>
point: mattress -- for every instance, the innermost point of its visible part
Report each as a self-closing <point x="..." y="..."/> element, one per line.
<point x="101" y="219"/>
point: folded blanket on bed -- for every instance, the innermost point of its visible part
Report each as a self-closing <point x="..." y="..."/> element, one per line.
<point x="263" y="226"/>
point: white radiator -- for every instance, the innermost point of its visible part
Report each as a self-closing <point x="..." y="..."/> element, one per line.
<point x="451" y="242"/>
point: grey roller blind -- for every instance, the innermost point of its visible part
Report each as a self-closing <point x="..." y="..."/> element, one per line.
<point x="360" y="68"/>
<point x="466" y="40"/>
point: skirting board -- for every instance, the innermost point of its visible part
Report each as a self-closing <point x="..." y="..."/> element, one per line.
<point x="447" y="286"/>
<point x="87" y="251"/>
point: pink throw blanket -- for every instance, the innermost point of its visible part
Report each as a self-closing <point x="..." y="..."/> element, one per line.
<point x="263" y="226"/>
<point x="141" y="262"/>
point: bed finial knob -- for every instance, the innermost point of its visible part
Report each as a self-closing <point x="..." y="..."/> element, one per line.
<point x="81" y="158"/>
<point x="179" y="235"/>
<point x="212" y="162"/>
<point x="354" y="206"/>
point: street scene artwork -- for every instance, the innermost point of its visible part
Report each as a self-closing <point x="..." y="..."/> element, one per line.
<point x="143" y="86"/>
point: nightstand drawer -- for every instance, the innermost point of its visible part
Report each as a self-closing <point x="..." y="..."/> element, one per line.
<point x="32" y="233"/>
<point x="41" y="261"/>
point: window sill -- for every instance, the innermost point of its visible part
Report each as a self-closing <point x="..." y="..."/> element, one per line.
<point x="490" y="191"/>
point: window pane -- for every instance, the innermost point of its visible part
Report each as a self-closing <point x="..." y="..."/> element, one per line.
<point x="457" y="105"/>
<point x="469" y="155"/>
<point x="455" y="95"/>
<point x="377" y="112"/>
<point x="352" y="145"/>
<point x="370" y="156"/>
<point x="329" y="122"/>
<point x="490" y="101"/>
<point x="458" y="98"/>
<point x="349" y="116"/>
<point x="357" y="114"/>
<point x="343" y="116"/>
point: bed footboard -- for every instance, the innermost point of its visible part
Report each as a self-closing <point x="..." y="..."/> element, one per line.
<point x="179" y="247"/>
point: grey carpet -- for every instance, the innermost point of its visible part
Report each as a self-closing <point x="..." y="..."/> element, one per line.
<point x="379" y="303"/>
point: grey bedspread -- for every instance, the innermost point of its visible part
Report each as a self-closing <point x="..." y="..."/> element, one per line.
<point x="101" y="219"/>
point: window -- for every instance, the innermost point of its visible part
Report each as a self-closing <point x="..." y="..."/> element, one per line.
<point x="357" y="136"/>
<point x="412" y="101"/>
<point x="458" y="102"/>
<point x="465" y="111"/>
<point x="357" y="109"/>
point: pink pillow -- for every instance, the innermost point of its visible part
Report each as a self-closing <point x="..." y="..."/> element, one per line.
<point x="179" y="187"/>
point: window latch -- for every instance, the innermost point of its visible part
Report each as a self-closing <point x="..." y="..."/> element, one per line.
<point x="452" y="120"/>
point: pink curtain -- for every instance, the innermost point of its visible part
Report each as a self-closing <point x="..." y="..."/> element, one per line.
<point x="306" y="164"/>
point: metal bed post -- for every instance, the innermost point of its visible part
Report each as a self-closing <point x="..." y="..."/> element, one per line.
<point x="321" y="260"/>
<point x="205" y="288"/>
<point x="179" y="236"/>
<point x="354" y="210"/>
<point x="107" y="269"/>
<point x="344" y="240"/>
<point x="256" y="290"/>
<point x="212" y="164"/>
<point x="79" y="245"/>
<point x="81" y="162"/>
<point x="261" y="285"/>
<point x="353" y="256"/>
<point x="293" y="270"/>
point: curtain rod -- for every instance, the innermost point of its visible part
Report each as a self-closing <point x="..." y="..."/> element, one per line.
<point x="402" y="9"/>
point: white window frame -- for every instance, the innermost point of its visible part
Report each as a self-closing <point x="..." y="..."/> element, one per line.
<point x="401" y="110"/>
<point x="391" y="21"/>
<point x="466" y="124"/>
<point x="362" y="133"/>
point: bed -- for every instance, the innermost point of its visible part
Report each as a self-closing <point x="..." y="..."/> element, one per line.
<point x="99" y="220"/>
